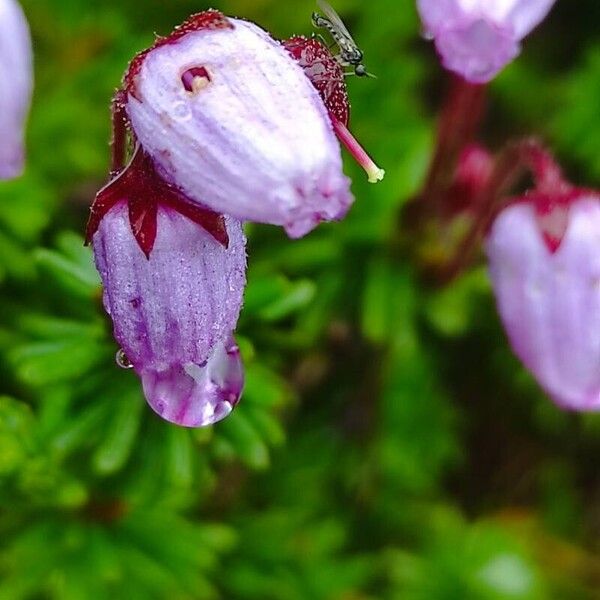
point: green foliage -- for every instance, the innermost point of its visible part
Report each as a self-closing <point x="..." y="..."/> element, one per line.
<point x="388" y="446"/>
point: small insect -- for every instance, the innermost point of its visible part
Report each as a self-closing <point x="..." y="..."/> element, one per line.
<point x="350" y="53"/>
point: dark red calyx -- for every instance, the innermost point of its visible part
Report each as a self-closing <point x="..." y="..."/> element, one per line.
<point x="144" y="190"/>
<point x="143" y="222"/>
<point x="207" y="20"/>
<point x="325" y="73"/>
<point x="552" y="213"/>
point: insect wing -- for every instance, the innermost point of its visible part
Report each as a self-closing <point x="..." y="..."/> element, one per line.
<point x="335" y="19"/>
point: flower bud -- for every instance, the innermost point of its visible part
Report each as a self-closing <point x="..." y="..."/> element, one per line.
<point x="478" y="38"/>
<point x="230" y="119"/>
<point x="16" y="82"/>
<point x="174" y="312"/>
<point x="544" y="260"/>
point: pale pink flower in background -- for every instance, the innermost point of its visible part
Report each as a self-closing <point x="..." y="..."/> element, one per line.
<point x="544" y="261"/>
<point x="16" y="83"/>
<point x="478" y="38"/>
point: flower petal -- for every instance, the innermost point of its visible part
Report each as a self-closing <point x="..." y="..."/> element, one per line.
<point x="436" y="13"/>
<point x="173" y="311"/>
<point x="527" y="14"/>
<point x="550" y="302"/>
<point x="477" y="49"/>
<point x="477" y="38"/>
<point x="16" y="83"/>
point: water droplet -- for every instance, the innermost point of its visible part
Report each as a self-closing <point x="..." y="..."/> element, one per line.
<point x="181" y="111"/>
<point x="122" y="360"/>
<point x="196" y="395"/>
<point x="232" y="349"/>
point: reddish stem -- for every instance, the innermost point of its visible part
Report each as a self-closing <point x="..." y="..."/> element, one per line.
<point x="459" y="122"/>
<point x="509" y="167"/>
<point x="546" y="172"/>
<point x="118" y="143"/>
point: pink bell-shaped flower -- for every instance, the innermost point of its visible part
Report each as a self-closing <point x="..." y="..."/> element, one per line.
<point x="174" y="312"/>
<point x="478" y="38"/>
<point x="229" y="117"/>
<point x="544" y="261"/>
<point x="16" y="83"/>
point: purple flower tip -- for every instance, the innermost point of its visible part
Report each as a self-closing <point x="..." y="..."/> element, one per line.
<point x="174" y="312"/>
<point x="548" y="294"/>
<point x="16" y="82"/>
<point x="196" y="395"/>
<point x="478" y="38"/>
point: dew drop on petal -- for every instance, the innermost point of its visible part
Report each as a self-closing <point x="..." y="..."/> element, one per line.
<point x="427" y="34"/>
<point x="181" y="111"/>
<point x="122" y="360"/>
<point x="196" y="395"/>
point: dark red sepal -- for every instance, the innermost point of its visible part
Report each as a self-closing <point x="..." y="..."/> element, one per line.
<point x="120" y="129"/>
<point x="209" y="19"/>
<point x="552" y="212"/>
<point x="324" y="71"/>
<point x="552" y="215"/>
<point x="144" y="189"/>
<point x="142" y="218"/>
<point x="210" y="221"/>
<point x="105" y="199"/>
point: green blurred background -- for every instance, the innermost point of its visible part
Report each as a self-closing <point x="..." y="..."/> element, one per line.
<point x="388" y="444"/>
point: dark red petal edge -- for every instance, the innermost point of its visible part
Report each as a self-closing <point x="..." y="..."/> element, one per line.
<point x="212" y="222"/>
<point x="552" y="213"/>
<point x="105" y="199"/>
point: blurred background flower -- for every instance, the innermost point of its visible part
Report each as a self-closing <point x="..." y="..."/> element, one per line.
<point x="545" y="270"/>
<point x="16" y="82"/>
<point x="388" y="445"/>
<point x="477" y="39"/>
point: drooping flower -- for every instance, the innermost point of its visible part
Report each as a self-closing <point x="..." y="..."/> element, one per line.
<point x="544" y="257"/>
<point x="174" y="313"/>
<point x="16" y="82"/>
<point x="478" y="38"/>
<point x="230" y="119"/>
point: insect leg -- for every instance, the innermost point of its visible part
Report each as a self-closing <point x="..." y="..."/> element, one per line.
<point x="318" y="36"/>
